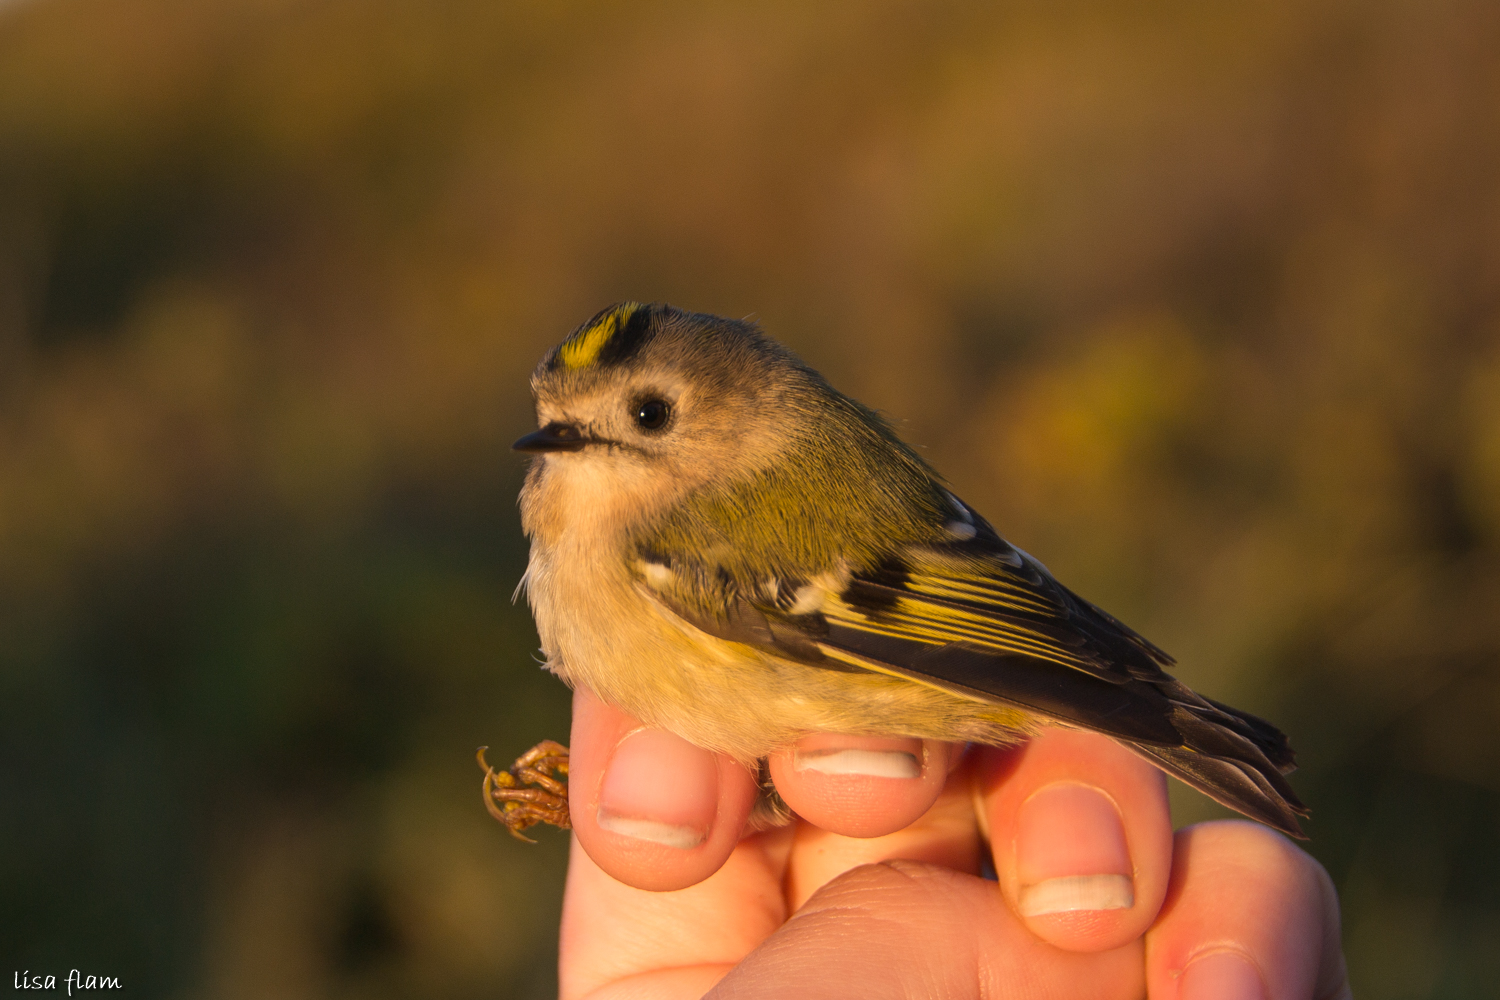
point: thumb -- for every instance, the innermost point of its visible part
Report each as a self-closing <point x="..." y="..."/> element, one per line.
<point x="901" y="929"/>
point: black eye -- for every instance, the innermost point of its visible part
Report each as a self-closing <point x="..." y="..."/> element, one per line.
<point x="652" y="414"/>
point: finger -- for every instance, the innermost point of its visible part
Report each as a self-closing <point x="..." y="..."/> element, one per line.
<point x="1081" y="834"/>
<point x="620" y="941"/>
<point x="947" y="834"/>
<point x="651" y="809"/>
<point x="905" y="929"/>
<point x="1248" y="917"/>
<point x="862" y="786"/>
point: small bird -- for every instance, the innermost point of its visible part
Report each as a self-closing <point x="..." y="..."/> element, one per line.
<point x="725" y="546"/>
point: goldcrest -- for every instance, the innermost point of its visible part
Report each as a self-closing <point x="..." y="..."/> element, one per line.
<point x="725" y="546"/>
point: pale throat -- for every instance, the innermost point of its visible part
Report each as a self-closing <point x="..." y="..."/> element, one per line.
<point x="591" y="501"/>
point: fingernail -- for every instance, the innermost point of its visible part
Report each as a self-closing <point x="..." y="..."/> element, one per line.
<point x="873" y="763"/>
<point x="1223" y="975"/>
<point x="1077" y="892"/>
<point x="1071" y="852"/>
<point x="659" y="788"/>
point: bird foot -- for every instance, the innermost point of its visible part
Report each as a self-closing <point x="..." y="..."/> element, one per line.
<point x="518" y="807"/>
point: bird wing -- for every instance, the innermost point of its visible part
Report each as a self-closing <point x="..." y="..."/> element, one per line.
<point x="979" y="618"/>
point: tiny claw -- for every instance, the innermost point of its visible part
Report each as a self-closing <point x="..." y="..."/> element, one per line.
<point x="489" y="797"/>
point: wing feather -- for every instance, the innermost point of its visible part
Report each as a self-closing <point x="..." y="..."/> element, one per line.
<point x="982" y="620"/>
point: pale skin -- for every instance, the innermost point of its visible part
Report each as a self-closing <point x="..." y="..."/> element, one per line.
<point x="876" y="890"/>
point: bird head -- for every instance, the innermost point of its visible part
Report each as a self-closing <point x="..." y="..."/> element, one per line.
<point x="645" y="402"/>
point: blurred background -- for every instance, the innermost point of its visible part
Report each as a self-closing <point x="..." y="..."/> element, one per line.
<point x="1200" y="305"/>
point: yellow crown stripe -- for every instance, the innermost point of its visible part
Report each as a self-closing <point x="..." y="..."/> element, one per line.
<point x="583" y="348"/>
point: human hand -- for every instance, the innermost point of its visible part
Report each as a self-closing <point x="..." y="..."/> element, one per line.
<point x="875" y="891"/>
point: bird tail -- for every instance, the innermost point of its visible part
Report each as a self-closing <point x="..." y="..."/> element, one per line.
<point x="1233" y="757"/>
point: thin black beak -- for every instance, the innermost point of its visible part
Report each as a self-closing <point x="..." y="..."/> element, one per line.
<point x="555" y="436"/>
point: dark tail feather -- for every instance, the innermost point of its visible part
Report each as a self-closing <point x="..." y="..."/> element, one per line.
<point x="1235" y="759"/>
<point x="1271" y="741"/>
